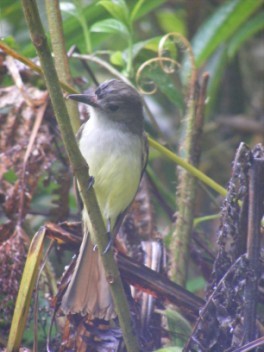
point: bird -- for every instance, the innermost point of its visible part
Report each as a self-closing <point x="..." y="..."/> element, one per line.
<point x="115" y="147"/>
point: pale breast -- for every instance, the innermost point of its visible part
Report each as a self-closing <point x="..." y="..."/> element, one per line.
<point x="114" y="159"/>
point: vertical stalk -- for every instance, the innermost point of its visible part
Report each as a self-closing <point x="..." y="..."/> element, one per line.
<point x="60" y="55"/>
<point x="255" y="213"/>
<point x="187" y="183"/>
<point x="86" y="31"/>
<point x="130" y="55"/>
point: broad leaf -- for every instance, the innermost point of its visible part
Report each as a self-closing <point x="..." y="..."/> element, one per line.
<point x="68" y="7"/>
<point x="117" y="59"/>
<point x="117" y="9"/>
<point x="253" y="26"/>
<point x="149" y="44"/>
<point x="172" y="21"/>
<point x="166" y="85"/>
<point x="146" y="7"/>
<point x="220" y="27"/>
<point x="110" y="25"/>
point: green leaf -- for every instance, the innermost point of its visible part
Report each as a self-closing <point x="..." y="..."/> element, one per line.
<point x="10" y="176"/>
<point x="220" y="27"/>
<point x="195" y="284"/>
<point x="136" y="9"/>
<point x="117" y="59"/>
<point x="69" y="8"/>
<point x="247" y="31"/>
<point x="167" y="87"/>
<point x="153" y="45"/>
<point x="179" y="327"/>
<point x="215" y="67"/>
<point x="149" y="44"/>
<point x="172" y="21"/>
<point x="146" y="7"/>
<point x="110" y="25"/>
<point x="117" y="9"/>
<point x="217" y="63"/>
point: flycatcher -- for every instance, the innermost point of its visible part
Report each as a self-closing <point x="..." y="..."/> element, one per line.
<point x="115" y="148"/>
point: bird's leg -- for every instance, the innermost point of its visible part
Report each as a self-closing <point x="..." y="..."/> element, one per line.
<point x="90" y="182"/>
<point x="110" y="236"/>
<point x="90" y="185"/>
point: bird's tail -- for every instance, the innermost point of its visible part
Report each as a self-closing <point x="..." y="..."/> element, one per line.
<point x="88" y="291"/>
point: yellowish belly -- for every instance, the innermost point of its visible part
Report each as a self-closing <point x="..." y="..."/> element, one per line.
<point x="115" y="163"/>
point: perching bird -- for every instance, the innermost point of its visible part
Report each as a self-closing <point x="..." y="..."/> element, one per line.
<point x="115" y="147"/>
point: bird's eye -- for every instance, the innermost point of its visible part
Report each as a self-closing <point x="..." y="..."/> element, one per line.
<point x="99" y="93"/>
<point x="113" y="107"/>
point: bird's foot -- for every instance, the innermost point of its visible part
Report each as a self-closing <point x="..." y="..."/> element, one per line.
<point x="110" y="242"/>
<point x="110" y="236"/>
<point x="90" y="182"/>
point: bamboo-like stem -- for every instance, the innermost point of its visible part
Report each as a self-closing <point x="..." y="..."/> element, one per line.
<point x="80" y="169"/>
<point x="60" y="56"/>
<point x="187" y="166"/>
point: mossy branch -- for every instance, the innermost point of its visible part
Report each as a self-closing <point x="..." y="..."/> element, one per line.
<point x="186" y="192"/>
<point x="80" y="169"/>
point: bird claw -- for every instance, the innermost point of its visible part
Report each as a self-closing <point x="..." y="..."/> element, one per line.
<point x="109" y="244"/>
<point x="90" y="182"/>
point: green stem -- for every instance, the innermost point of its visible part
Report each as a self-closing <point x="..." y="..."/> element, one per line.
<point x="201" y="219"/>
<point x="85" y="28"/>
<point x="60" y="55"/>
<point x="130" y="56"/>
<point x="136" y="9"/>
<point x="187" y="166"/>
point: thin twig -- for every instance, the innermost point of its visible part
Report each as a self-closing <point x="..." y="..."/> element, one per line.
<point x="32" y="139"/>
<point x="75" y="49"/>
<point x="31" y="65"/>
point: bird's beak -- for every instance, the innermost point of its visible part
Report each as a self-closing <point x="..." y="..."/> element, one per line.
<point x="89" y="98"/>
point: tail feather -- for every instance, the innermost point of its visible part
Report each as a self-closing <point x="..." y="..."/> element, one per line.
<point x="88" y="291"/>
